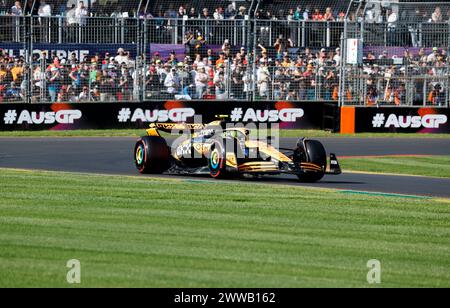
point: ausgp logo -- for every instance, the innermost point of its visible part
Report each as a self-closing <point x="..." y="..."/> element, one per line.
<point x="284" y="115"/>
<point x="42" y="117"/>
<point x="427" y="121"/>
<point x="173" y="115"/>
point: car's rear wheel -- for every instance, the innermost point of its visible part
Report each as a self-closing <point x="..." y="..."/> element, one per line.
<point x="151" y="155"/>
<point x="313" y="158"/>
<point x="217" y="161"/>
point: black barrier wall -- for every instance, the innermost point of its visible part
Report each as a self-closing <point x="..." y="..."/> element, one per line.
<point x="290" y="115"/>
<point x="402" y="120"/>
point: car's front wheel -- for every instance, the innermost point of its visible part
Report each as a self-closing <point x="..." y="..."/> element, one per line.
<point x="312" y="156"/>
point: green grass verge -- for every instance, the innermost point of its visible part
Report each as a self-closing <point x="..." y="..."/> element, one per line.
<point x="436" y="166"/>
<point x="139" y="132"/>
<point x="133" y="232"/>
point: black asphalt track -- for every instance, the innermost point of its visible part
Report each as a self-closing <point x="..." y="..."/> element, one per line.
<point x="114" y="156"/>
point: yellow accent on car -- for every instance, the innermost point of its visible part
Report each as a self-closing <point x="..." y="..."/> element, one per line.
<point x="268" y="150"/>
<point x="258" y="166"/>
<point x="153" y="132"/>
<point x="232" y="160"/>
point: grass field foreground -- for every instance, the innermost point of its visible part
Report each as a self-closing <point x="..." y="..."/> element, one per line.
<point x="134" y="231"/>
<point x="434" y="166"/>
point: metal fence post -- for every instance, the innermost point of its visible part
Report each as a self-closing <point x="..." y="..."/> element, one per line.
<point x="60" y="29"/>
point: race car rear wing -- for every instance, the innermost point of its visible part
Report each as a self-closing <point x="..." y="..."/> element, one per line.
<point x="172" y="127"/>
<point x="180" y="127"/>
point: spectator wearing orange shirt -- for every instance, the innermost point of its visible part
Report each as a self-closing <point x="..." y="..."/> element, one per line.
<point x="221" y="61"/>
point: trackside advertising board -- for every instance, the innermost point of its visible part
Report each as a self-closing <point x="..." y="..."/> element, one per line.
<point x="402" y="120"/>
<point x="59" y="116"/>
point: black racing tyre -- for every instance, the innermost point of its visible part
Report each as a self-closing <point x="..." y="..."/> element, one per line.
<point x="313" y="153"/>
<point x="217" y="161"/>
<point x="152" y="155"/>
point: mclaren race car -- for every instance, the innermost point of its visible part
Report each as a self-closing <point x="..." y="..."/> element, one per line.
<point x="221" y="152"/>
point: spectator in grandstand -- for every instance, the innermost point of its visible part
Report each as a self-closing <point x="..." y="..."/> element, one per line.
<point x="220" y="85"/>
<point x="392" y="19"/>
<point x="317" y="16"/>
<point x="17" y="10"/>
<point x="437" y="17"/>
<point x="81" y="13"/>
<point x="70" y="16"/>
<point x="54" y="82"/>
<point x="237" y="85"/>
<point x="17" y="71"/>
<point x="242" y="13"/>
<point x="84" y="96"/>
<point x="193" y="13"/>
<point x="172" y="82"/>
<point x="181" y="12"/>
<point x="337" y="57"/>
<point x="125" y="85"/>
<point x="298" y="14"/>
<point x="45" y="9"/>
<point x="201" y="82"/>
<point x="263" y="80"/>
<point x="205" y="14"/>
<point x="432" y="58"/>
<point x="218" y="14"/>
<point x="230" y="11"/>
<point x="122" y="56"/>
<point x="329" y="15"/>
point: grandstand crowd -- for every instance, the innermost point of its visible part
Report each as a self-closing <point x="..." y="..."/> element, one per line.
<point x="280" y="71"/>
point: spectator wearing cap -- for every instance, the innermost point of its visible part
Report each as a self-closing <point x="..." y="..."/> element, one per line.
<point x="121" y="57"/>
<point x="432" y="58"/>
<point x="337" y="57"/>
